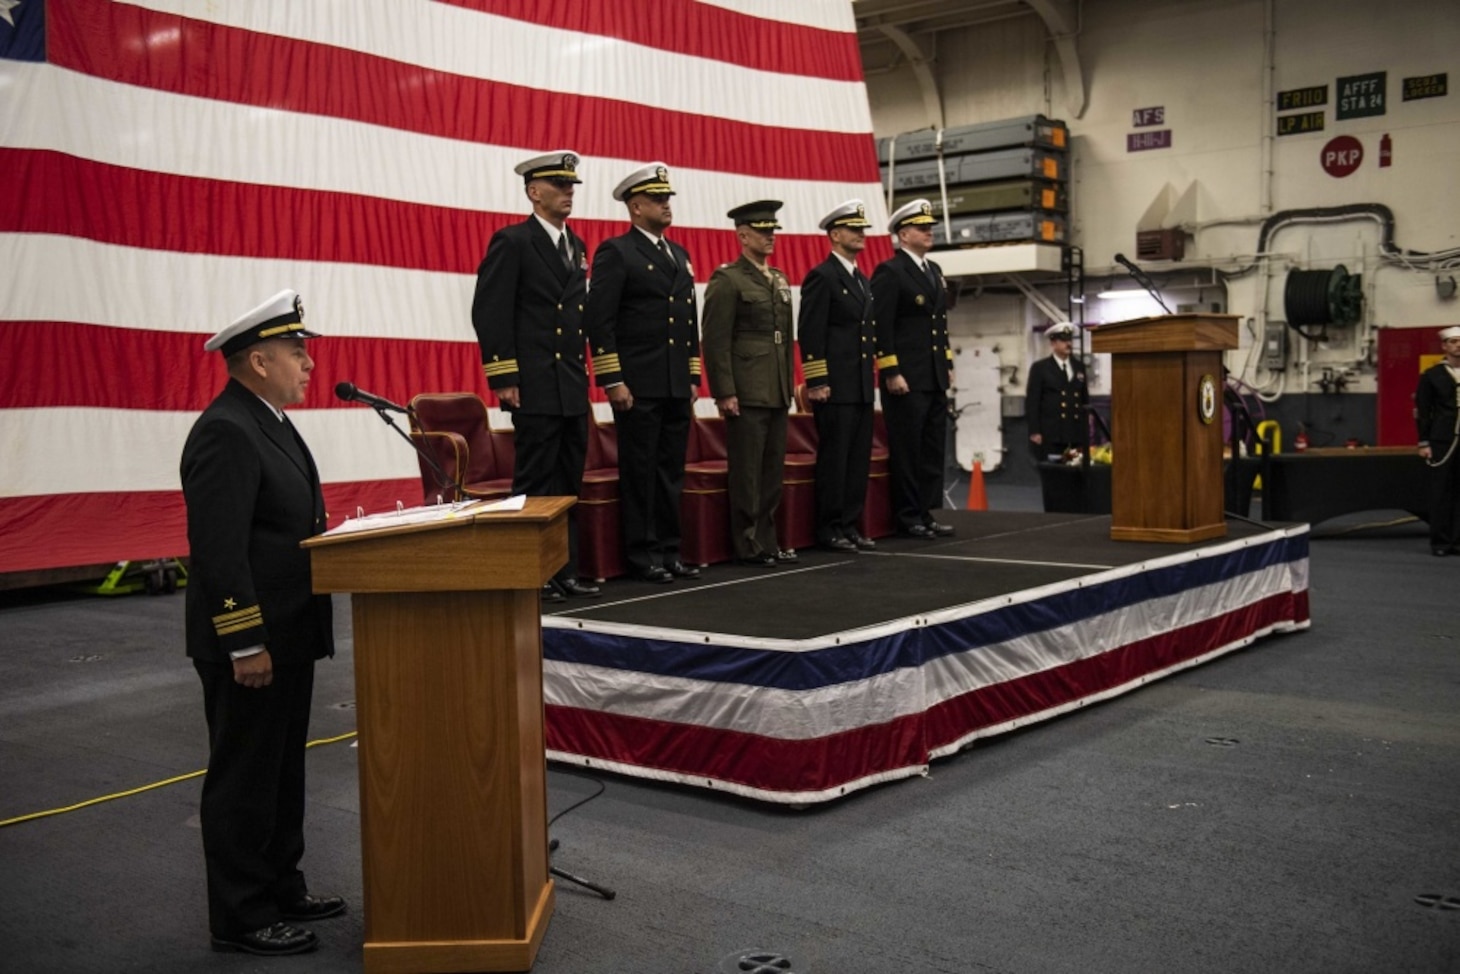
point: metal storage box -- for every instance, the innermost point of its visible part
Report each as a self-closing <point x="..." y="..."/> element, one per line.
<point x="1014" y="194"/>
<point x="983" y="167"/>
<point x="1030" y="130"/>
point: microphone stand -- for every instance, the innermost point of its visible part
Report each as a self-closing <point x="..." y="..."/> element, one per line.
<point x="442" y="480"/>
<point x="1144" y="282"/>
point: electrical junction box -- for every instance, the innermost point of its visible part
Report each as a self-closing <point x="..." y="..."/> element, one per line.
<point x="1275" y="346"/>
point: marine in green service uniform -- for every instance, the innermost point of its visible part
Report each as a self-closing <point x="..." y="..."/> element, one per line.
<point x="746" y="342"/>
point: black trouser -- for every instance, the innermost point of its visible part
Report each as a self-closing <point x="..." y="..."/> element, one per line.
<point x="550" y="451"/>
<point x="843" y="462"/>
<point x="917" y="427"/>
<point x="1444" y="496"/>
<point x="755" y="448"/>
<point x="652" y="438"/>
<point x="252" y="810"/>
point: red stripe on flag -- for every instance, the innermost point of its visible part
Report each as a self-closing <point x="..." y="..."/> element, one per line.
<point x="168" y="370"/>
<point x="768" y="763"/>
<point x="698" y="30"/>
<point x="63" y="195"/>
<point x="205" y="60"/>
<point x="101" y="527"/>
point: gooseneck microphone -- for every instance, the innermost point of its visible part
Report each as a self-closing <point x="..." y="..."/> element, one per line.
<point x="349" y="393"/>
<point x="1142" y="280"/>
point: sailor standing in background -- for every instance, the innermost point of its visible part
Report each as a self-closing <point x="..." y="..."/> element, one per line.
<point x="747" y="348"/>
<point x="1437" y="415"/>
<point x="838" y="340"/>
<point x="528" y="316"/>
<point x="910" y="305"/>
<point x="643" y="327"/>
<point x="255" y="628"/>
<point x="1056" y="398"/>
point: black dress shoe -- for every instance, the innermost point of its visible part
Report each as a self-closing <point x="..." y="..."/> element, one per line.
<point x="1439" y="552"/>
<point x="843" y="545"/>
<point x="550" y="593"/>
<point x="680" y="570"/>
<point x="787" y="556"/>
<point x="313" y="908"/>
<point x="579" y="590"/>
<point x="760" y="561"/>
<point x="276" y="940"/>
<point x="940" y="530"/>
<point x="862" y="542"/>
<point x="656" y="575"/>
<point x="918" y="531"/>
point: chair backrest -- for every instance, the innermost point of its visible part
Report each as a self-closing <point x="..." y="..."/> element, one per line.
<point x="801" y="434"/>
<point x="464" y="414"/>
<point x="602" y="445"/>
<point x="706" y="439"/>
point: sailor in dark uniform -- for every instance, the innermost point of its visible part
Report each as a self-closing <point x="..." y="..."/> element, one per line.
<point x="1056" y="398"/>
<point x="528" y="316"/>
<point x="643" y="329"/>
<point x="910" y="305"/>
<point x="747" y="349"/>
<point x="838" y="341"/>
<point x="255" y="628"/>
<point x="1437" y="415"/>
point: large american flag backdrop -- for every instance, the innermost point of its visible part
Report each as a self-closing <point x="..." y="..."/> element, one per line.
<point x="170" y="163"/>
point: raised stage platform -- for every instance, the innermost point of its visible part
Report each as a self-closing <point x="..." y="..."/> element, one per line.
<point x="804" y="683"/>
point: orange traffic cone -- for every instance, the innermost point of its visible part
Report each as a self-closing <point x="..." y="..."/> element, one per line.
<point x="977" y="499"/>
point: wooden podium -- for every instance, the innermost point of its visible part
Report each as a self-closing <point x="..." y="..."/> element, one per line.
<point x="448" y="689"/>
<point x="1166" y="430"/>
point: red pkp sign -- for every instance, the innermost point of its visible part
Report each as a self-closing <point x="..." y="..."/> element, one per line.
<point x="1342" y="155"/>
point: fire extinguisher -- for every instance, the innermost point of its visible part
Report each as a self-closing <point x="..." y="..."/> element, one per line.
<point x="1300" y="442"/>
<point x="1386" y="151"/>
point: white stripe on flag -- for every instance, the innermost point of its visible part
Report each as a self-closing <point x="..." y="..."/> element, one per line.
<point x="447" y="38"/>
<point x="257" y="145"/>
<point x="140" y="449"/>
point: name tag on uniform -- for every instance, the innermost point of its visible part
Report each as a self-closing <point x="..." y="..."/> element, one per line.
<point x="779" y="339"/>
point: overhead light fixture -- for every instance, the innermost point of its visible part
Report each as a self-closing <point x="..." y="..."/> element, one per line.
<point x="1123" y="294"/>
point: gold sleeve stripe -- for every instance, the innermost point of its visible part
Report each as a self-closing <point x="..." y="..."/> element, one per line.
<point x="694" y="365"/>
<point x="256" y="623"/>
<point x="500" y="368"/>
<point x="887" y="361"/>
<point x="235" y="615"/>
<point x="814" y="370"/>
<point x="949" y="352"/>
<point x="606" y="363"/>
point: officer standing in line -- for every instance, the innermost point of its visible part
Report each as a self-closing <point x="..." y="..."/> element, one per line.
<point x="528" y="316"/>
<point x="838" y="340"/>
<point x="910" y="305"/>
<point x="747" y="348"/>
<point x="643" y="327"/>
<point x="254" y="630"/>
<point x="1437" y="415"/>
<point x="1056" y="398"/>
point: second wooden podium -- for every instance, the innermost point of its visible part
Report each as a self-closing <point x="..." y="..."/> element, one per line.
<point x="453" y="778"/>
<point x="1165" y="421"/>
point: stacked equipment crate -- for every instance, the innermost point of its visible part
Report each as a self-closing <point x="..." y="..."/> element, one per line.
<point x="1004" y="182"/>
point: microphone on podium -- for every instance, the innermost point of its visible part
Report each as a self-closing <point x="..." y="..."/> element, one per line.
<point x="1142" y="280"/>
<point x="349" y="393"/>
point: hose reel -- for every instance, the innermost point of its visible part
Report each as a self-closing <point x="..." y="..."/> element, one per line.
<point x="1332" y="297"/>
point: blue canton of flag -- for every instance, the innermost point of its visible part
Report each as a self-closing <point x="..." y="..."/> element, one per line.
<point x="23" y="30"/>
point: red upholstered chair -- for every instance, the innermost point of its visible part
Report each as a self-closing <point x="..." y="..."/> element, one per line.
<point x="600" y="539"/>
<point x="796" y="517"/>
<point x="704" y="504"/>
<point x="452" y="426"/>
<point x="876" y="520"/>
